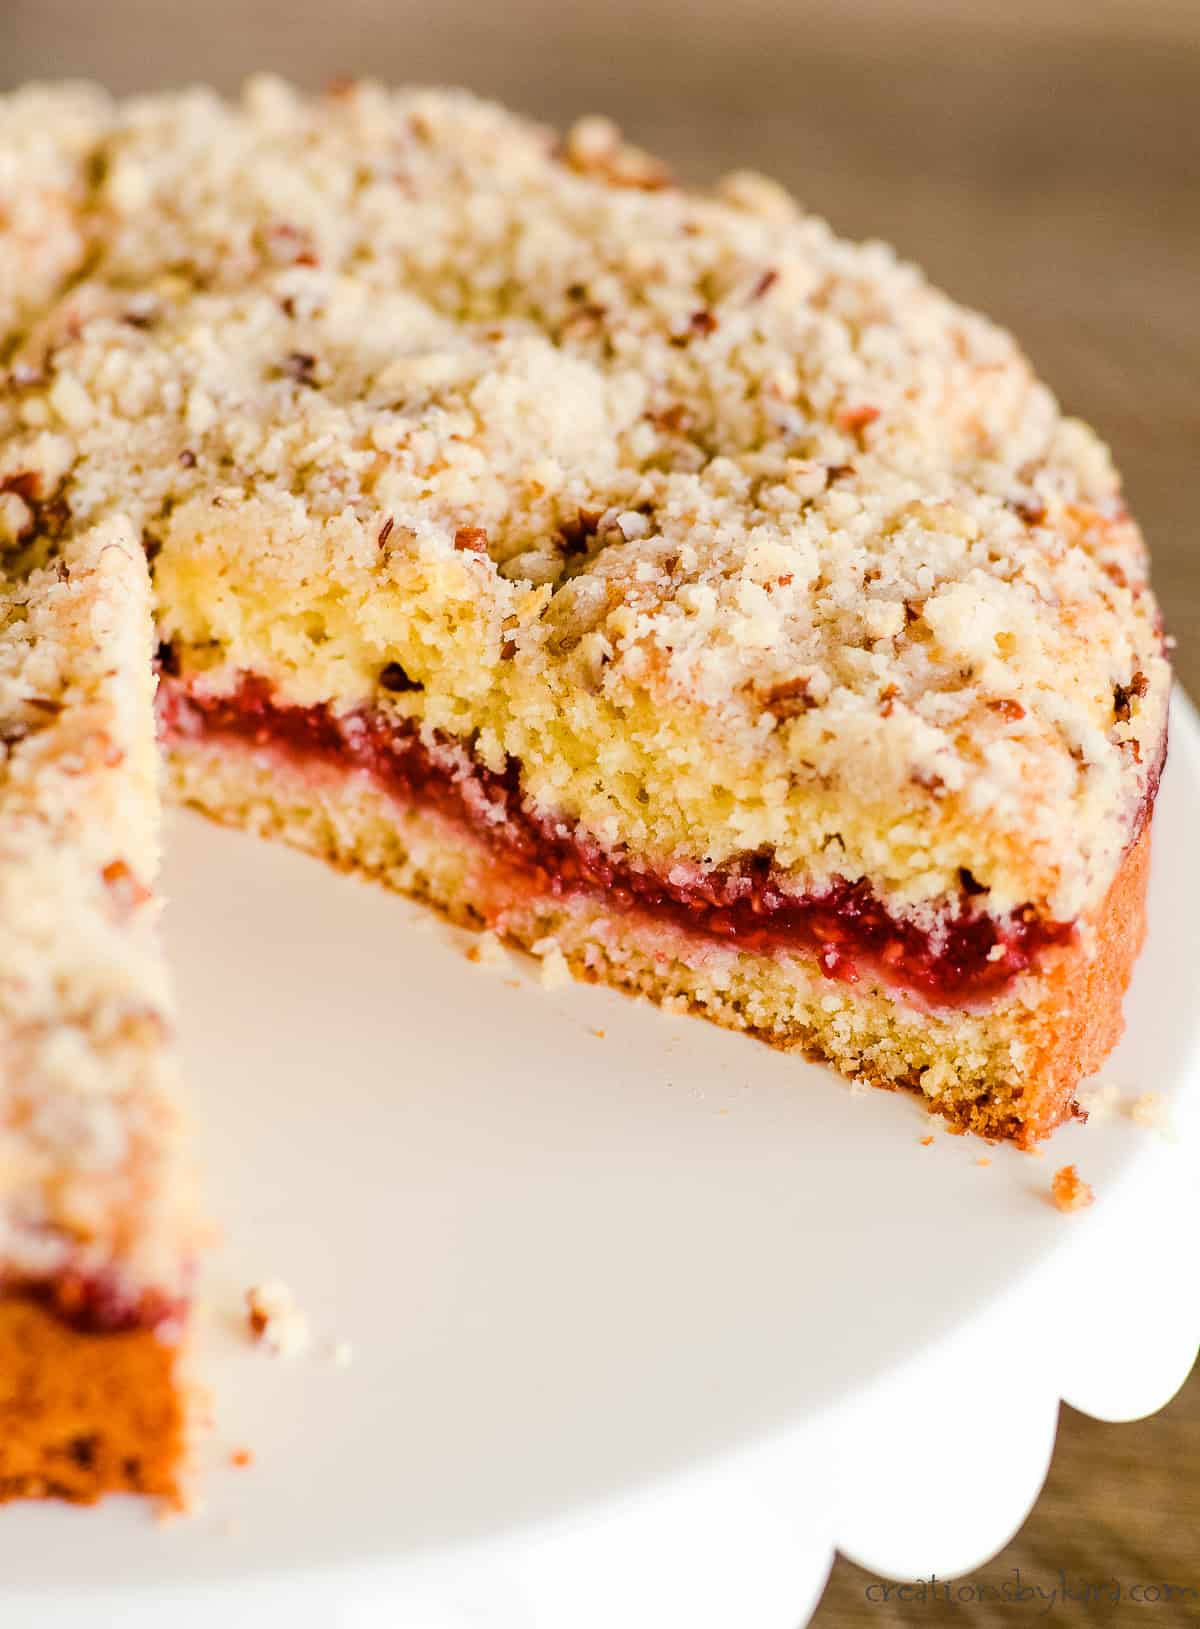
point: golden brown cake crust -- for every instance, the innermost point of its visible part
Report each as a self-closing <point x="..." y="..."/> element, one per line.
<point x="1081" y="1019"/>
<point x="83" y="1414"/>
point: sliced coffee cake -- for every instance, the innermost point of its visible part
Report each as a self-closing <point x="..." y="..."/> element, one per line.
<point x="637" y="571"/>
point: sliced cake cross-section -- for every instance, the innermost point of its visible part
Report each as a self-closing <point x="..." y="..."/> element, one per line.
<point x="97" y="1222"/>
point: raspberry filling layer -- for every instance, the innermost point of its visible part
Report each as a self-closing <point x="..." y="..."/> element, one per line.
<point x="98" y="1303"/>
<point x="968" y="955"/>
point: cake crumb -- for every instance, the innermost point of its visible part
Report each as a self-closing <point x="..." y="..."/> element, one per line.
<point x="927" y="1142"/>
<point x="555" y="972"/>
<point x="487" y="950"/>
<point x="171" y="1510"/>
<point x="1069" y="1191"/>
<point x="275" y="1320"/>
<point x="1100" y="1102"/>
<point x="674" y="1006"/>
<point x="241" y="1458"/>
<point x="983" y="1160"/>
<point x="1148" y="1109"/>
<point x="598" y="1033"/>
<point x="1107" y="1101"/>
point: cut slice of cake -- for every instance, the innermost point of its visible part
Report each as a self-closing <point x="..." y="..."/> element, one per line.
<point x="96" y="1219"/>
<point x="641" y="572"/>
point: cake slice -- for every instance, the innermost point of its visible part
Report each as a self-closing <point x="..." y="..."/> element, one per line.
<point x="96" y="1219"/>
<point x="644" y="574"/>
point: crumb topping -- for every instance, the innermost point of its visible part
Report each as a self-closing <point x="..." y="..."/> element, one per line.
<point x="90" y="1172"/>
<point x="48" y="136"/>
<point x="735" y="536"/>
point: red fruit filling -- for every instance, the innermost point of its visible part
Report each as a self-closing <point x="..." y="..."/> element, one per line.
<point x="966" y="956"/>
<point x="96" y="1301"/>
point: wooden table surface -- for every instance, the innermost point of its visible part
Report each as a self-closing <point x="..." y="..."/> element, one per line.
<point x="1042" y="159"/>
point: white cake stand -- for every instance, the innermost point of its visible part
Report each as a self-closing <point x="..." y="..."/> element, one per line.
<point x="644" y="1323"/>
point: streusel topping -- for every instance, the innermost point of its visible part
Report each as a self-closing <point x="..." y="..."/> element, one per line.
<point x="736" y="536"/>
<point x="90" y="1176"/>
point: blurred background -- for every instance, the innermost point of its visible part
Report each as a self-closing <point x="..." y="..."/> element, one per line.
<point x="1041" y="158"/>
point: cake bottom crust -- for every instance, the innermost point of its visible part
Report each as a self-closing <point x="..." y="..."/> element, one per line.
<point x="83" y="1414"/>
<point x="1006" y="1070"/>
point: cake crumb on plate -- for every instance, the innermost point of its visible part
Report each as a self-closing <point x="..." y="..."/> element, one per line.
<point x="275" y="1320"/>
<point x="1148" y="1109"/>
<point x="1100" y="1102"/>
<point x="1069" y="1191"/>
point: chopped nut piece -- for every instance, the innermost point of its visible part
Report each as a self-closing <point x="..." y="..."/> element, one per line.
<point x="856" y="419"/>
<point x="300" y="366"/>
<point x="1007" y="708"/>
<point x="473" y="539"/>
<point x="789" y="699"/>
<point x="127" y="890"/>
<point x="1123" y="695"/>
<point x="576" y="533"/>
